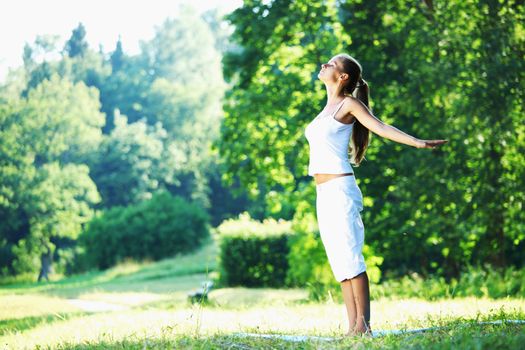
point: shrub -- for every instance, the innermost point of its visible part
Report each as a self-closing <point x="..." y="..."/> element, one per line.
<point x="72" y="260"/>
<point x="309" y="266"/>
<point x="253" y="253"/>
<point x="160" y="227"/>
<point x="474" y="281"/>
<point x="487" y="281"/>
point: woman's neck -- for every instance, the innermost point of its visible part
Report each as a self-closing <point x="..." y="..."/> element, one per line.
<point x="334" y="93"/>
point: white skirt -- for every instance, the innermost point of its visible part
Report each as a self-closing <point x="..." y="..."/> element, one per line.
<point x="338" y="204"/>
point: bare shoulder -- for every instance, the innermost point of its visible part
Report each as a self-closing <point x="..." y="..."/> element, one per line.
<point x="351" y="103"/>
<point x="356" y="108"/>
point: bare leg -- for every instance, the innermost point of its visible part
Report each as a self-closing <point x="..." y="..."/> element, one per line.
<point x="361" y="290"/>
<point x="348" y="296"/>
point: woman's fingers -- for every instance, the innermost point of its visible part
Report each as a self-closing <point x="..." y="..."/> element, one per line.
<point x="434" y="143"/>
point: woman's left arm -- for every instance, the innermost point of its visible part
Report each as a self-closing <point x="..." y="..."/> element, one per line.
<point x="365" y="117"/>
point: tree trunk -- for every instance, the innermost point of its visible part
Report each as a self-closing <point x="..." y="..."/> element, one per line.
<point x="496" y="224"/>
<point x="46" y="267"/>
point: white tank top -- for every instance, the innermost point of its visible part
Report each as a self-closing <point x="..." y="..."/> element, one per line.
<point x="328" y="139"/>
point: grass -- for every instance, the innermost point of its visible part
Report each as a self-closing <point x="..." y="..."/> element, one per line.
<point x="156" y="314"/>
<point x="127" y="273"/>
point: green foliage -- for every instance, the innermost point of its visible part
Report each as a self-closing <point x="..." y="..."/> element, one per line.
<point x="77" y="44"/>
<point x="45" y="194"/>
<point x="41" y="63"/>
<point x="309" y="266"/>
<point x="452" y="70"/>
<point x="127" y="166"/>
<point x="175" y="81"/>
<point x="253" y="253"/>
<point x="72" y="260"/>
<point x="117" y="58"/>
<point x="438" y="221"/>
<point x="272" y="96"/>
<point x="63" y="120"/>
<point x="280" y="253"/>
<point x="160" y="227"/>
<point x="475" y="281"/>
<point x="59" y="114"/>
<point x="26" y="256"/>
<point x="91" y="68"/>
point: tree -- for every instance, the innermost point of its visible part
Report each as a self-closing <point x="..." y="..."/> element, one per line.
<point x="77" y="44"/>
<point x="185" y="96"/>
<point x="433" y="69"/>
<point x="126" y="165"/>
<point x="117" y="57"/>
<point x="38" y="59"/>
<point x="274" y="93"/>
<point x="45" y="195"/>
<point x="61" y="204"/>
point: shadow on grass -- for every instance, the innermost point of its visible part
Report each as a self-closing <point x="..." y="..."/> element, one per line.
<point x="202" y="260"/>
<point x="500" y="336"/>
<point x="22" y="324"/>
<point x="202" y="342"/>
<point x="180" y="273"/>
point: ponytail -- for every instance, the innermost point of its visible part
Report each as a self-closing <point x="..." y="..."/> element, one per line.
<point x="358" y="88"/>
<point x="360" y="134"/>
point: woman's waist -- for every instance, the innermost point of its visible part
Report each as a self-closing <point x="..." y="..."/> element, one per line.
<point x="322" y="178"/>
<point x="330" y="167"/>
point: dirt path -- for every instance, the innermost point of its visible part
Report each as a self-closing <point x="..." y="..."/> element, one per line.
<point x="96" y="306"/>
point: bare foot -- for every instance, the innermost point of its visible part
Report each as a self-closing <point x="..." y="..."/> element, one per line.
<point x="356" y="333"/>
<point x="367" y="334"/>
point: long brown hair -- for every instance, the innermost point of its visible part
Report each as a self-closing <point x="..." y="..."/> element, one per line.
<point x="358" y="88"/>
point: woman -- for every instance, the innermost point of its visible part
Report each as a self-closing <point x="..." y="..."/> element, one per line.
<point x="339" y="200"/>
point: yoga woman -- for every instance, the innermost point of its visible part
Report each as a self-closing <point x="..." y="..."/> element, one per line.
<point x="339" y="200"/>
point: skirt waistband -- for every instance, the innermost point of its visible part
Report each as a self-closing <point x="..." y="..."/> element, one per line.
<point x="335" y="181"/>
<point x="331" y="189"/>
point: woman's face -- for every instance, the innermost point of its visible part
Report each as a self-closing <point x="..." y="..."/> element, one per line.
<point x="330" y="71"/>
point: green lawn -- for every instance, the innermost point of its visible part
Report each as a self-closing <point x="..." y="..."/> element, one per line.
<point x="146" y="307"/>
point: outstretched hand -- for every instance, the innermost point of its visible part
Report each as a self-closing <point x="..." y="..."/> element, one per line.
<point x="430" y="143"/>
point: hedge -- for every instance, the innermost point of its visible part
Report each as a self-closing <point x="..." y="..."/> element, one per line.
<point x="151" y="230"/>
<point x="253" y="253"/>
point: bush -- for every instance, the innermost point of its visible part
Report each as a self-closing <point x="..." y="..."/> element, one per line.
<point x="253" y="253"/>
<point x="160" y="227"/>
<point x="475" y="281"/>
<point x="280" y="254"/>
<point x="309" y="266"/>
<point x="72" y="260"/>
